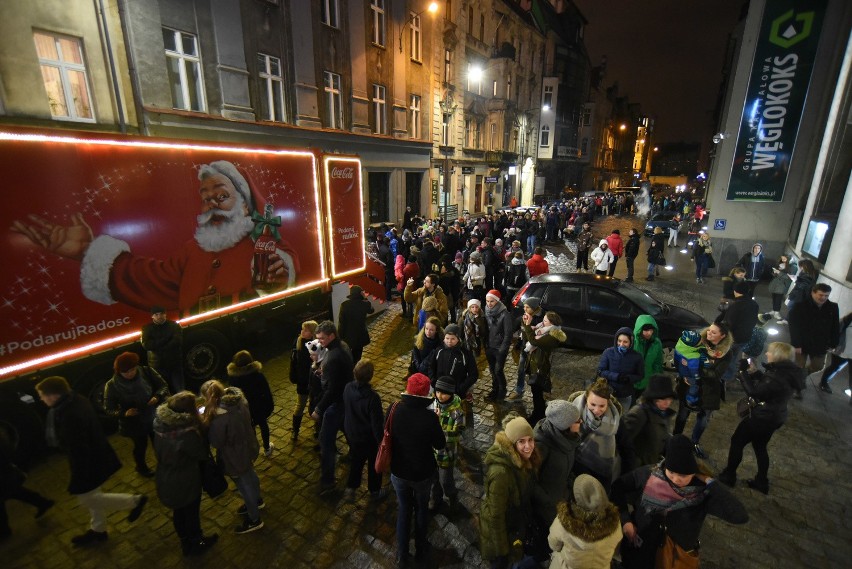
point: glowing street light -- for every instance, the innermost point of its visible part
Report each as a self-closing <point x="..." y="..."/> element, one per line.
<point x="431" y="8"/>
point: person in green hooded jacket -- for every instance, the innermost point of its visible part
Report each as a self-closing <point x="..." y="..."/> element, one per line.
<point x="646" y="341"/>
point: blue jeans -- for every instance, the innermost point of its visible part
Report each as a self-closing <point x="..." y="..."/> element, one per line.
<point x="530" y="244"/>
<point x="701" y="263"/>
<point x="734" y="367"/>
<point x="332" y="421"/>
<point x="248" y="486"/>
<point x="411" y="497"/>
<point x="701" y="421"/>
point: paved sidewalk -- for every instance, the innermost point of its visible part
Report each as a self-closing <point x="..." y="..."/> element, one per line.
<point x="802" y="523"/>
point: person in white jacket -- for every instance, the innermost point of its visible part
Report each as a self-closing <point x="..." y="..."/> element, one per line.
<point x="602" y="257"/>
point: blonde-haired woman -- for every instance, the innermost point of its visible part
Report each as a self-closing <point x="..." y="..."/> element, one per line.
<point x="771" y="389"/>
<point x="229" y="430"/>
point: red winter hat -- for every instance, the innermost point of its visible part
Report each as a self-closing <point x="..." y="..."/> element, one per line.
<point x="126" y="362"/>
<point x="418" y="384"/>
<point x="493" y="293"/>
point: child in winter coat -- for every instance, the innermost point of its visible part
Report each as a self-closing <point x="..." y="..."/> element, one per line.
<point x="474" y="327"/>
<point x="690" y="356"/>
<point x="244" y="373"/>
<point x="456" y="361"/>
<point x="448" y="407"/>
<point x="428" y="309"/>
<point x="429" y="338"/>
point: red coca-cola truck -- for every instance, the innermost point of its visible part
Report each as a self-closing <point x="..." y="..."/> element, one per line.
<point x="233" y="241"/>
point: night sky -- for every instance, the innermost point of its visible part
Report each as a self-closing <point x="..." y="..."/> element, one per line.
<point x="666" y="55"/>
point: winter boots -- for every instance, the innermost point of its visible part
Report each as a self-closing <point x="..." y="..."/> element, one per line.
<point x="297" y="424"/>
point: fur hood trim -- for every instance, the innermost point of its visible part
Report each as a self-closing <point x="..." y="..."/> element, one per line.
<point x="239" y="371"/>
<point x="172" y="420"/>
<point x="721" y="348"/>
<point x="557" y="333"/>
<point x="588" y="526"/>
<point x="505" y="447"/>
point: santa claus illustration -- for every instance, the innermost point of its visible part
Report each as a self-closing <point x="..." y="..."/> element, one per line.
<point x="214" y="269"/>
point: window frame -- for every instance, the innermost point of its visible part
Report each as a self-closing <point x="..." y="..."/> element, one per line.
<point x="448" y="65"/>
<point x="414" y="108"/>
<point x="377" y="7"/>
<point x="333" y="99"/>
<point x="183" y="59"/>
<point x="544" y="137"/>
<point x="446" y="120"/>
<point x="64" y="67"/>
<point x="415" y="34"/>
<point x="330" y="13"/>
<point x="547" y="97"/>
<point x="267" y="81"/>
<point x="379" y="109"/>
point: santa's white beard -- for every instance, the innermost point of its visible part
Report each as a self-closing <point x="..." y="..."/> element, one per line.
<point x="226" y="234"/>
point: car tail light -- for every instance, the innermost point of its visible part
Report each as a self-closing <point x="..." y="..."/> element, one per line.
<point x="520" y="294"/>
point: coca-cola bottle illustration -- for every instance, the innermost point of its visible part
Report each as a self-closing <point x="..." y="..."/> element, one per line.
<point x="264" y="247"/>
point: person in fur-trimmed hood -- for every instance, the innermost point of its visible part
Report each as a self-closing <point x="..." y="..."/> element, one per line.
<point x="587" y="530"/>
<point x="245" y="374"/>
<point x="507" y="510"/>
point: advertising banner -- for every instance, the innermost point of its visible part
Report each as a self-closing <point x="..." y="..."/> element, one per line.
<point x="97" y="232"/>
<point x="778" y="86"/>
<point x="345" y="215"/>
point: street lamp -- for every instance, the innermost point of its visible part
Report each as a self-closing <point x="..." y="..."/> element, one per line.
<point x="431" y="8"/>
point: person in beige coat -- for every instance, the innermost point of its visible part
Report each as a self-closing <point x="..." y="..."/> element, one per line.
<point x="586" y="531"/>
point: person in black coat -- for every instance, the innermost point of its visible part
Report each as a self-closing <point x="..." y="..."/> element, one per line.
<point x="163" y="339"/>
<point x="814" y="327"/>
<point x="353" y="321"/>
<point x="415" y="435"/>
<point x="302" y="375"/>
<point x="363" y="426"/>
<point x="655" y="252"/>
<point x="454" y="360"/>
<point x="245" y="374"/>
<point x="12" y="487"/>
<point x="73" y="426"/>
<point x="771" y="390"/>
<point x="670" y="502"/>
<point x="336" y="368"/>
<point x="631" y="251"/>
<point x="740" y="318"/>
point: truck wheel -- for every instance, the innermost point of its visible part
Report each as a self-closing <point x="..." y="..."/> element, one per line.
<point x="205" y="354"/>
<point x="24" y="428"/>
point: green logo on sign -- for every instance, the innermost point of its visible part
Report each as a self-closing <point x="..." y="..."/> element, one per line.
<point x="788" y="30"/>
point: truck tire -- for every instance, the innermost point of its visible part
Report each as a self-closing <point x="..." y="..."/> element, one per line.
<point x="24" y="426"/>
<point x="206" y="353"/>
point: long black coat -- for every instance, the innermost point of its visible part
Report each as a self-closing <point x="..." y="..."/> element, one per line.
<point x="90" y="456"/>
<point x="353" y="322"/>
<point x="814" y="329"/>
<point x="773" y="389"/>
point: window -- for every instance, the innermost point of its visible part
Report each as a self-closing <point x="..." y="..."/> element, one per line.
<point x="330" y="13"/>
<point x="271" y="88"/>
<point x="378" y="184"/>
<point x="545" y="135"/>
<point x="477" y="134"/>
<point x="587" y="117"/>
<point x="414" y="117"/>
<point x="564" y="298"/>
<point x="333" y="103"/>
<point x="380" y="122"/>
<point x="493" y="140"/>
<point x="470" y="20"/>
<point x="416" y="37"/>
<point x="378" y="10"/>
<point x="547" y="101"/>
<point x="474" y="79"/>
<point x="445" y="129"/>
<point x="184" y="67"/>
<point x="482" y="27"/>
<point x="494" y="88"/>
<point x="448" y="66"/>
<point x="64" y="76"/>
<point x="472" y="132"/>
<point x="468" y="131"/>
<point x="509" y="86"/>
<point x="584" y="146"/>
<point x="448" y="11"/>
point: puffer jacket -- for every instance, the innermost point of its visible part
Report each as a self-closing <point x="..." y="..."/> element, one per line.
<point x="557" y="460"/>
<point x="581" y="539"/>
<point x="622" y="371"/>
<point x="537" y="265"/>
<point x="180" y="447"/>
<point x="457" y="362"/>
<point x="232" y="434"/>
<point x="773" y="389"/>
<point x="597" y="450"/>
<point x="507" y="505"/>
<point x="602" y="258"/>
<point x="250" y="380"/>
<point x="650" y="350"/>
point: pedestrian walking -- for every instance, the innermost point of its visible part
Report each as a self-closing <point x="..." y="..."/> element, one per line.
<point x="246" y="374"/>
<point x="631" y="251"/>
<point x="73" y="426"/>
<point x="740" y="318"/>
<point x="180" y="447"/>
<point x="814" y="329"/>
<point x="802" y="285"/>
<point x="755" y="265"/>
<point x="12" y="487"/>
<point x="782" y="277"/>
<point x="227" y="419"/>
<point x="352" y="320"/>
<point x="364" y="427"/>
<point x="839" y="357"/>
<point x="702" y="251"/>
<point x="132" y="395"/>
<point x="163" y="339"/>
<point x="674" y="229"/>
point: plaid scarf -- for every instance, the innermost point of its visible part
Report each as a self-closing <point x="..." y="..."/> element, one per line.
<point x="660" y="496"/>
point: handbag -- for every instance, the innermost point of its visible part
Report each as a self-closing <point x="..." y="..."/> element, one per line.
<point x="661" y="260"/>
<point x="745" y="405"/>
<point x="383" y="456"/>
<point x="711" y="262"/>
<point x="672" y="556"/>
<point x="213" y="480"/>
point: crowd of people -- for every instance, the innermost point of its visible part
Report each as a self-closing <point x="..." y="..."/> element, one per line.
<point x="604" y="476"/>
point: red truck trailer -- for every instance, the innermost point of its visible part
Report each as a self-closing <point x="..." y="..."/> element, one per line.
<point x="98" y="229"/>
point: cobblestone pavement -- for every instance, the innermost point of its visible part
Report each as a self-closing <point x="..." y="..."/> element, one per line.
<point x="804" y="522"/>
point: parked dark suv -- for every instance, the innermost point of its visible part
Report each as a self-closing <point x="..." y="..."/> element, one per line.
<point x="593" y="307"/>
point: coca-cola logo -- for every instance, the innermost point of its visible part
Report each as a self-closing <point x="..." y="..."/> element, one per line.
<point x="343" y="173"/>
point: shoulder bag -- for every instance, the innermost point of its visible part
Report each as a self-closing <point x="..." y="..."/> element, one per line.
<point x="672" y="556"/>
<point x="383" y="456"/>
<point x="745" y="405"/>
<point x="212" y="478"/>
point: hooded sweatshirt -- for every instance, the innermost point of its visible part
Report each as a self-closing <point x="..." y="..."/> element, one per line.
<point x="602" y="256"/>
<point x="622" y="369"/>
<point x="753" y="264"/>
<point x="650" y="350"/>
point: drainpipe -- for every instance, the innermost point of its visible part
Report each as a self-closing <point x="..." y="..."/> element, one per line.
<point x="122" y="123"/>
<point x="131" y="68"/>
